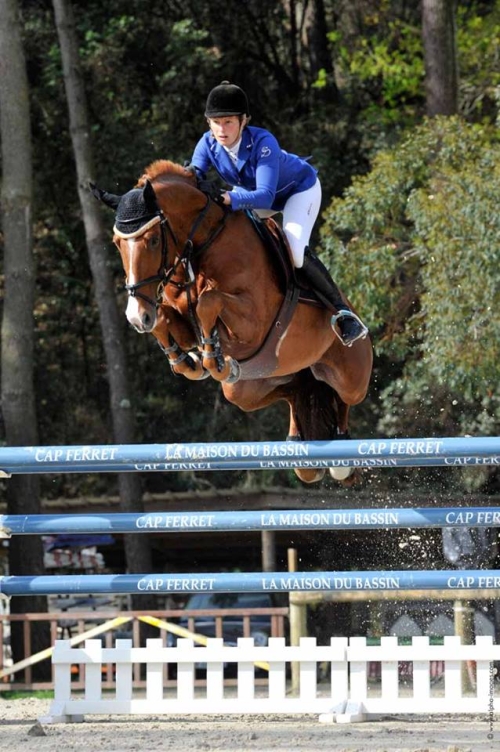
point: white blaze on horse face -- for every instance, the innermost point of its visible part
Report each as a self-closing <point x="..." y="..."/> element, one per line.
<point x="133" y="312"/>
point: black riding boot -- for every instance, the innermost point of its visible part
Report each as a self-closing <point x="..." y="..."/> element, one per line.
<point x="351" y="327"/>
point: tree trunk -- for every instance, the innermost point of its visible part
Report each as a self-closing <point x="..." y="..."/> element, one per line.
<point x="294" y="43"/>
<point x="316" y="44"/>
<point x="137" y="548"/>
<point x="17" y="389"/>
<point x="440" y="55"/>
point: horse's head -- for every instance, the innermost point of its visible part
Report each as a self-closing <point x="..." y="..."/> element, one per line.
<point x="148" y="247"/>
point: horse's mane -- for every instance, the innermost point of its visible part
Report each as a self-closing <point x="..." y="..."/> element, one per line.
<point x="163" y="169"/>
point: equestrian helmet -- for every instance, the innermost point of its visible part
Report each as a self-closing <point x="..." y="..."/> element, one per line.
<point x="226" y="100"/>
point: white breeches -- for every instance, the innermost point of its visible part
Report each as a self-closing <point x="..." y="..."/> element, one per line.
<point x="299" y="215"/>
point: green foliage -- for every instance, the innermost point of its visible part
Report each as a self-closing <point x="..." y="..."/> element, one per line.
<point x="381" y="66"/>
<point x="40" y="694"/>
<point x="478" y="40"/>
<point x="417" y="241"/>
<point x="379" y="61"/>
<point x="458" y="241"/>
<point x="394" y="65"/>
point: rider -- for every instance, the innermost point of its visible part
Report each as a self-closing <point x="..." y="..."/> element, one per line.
<point x="267" y="179"/>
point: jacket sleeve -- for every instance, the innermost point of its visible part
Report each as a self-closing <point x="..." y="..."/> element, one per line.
<point x="266" y="157"/>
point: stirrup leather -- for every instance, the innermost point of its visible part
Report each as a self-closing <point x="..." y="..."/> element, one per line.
<point x="345" y="313"/>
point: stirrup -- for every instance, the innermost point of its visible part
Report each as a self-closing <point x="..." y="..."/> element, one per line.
<point x="345" y="313"/>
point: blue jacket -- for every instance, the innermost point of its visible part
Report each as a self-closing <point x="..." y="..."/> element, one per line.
<point x="265" y="175"/>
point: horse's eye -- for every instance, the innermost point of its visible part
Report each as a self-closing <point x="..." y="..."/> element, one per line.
<point x="154" y="242"/>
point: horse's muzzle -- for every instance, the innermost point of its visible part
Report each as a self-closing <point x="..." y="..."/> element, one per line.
<point x="143" y="319"/>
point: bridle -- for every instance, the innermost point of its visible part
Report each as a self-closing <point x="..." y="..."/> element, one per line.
<point x="165" y="273"/>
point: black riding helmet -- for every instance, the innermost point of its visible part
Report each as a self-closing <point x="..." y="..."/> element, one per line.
<point x="226" y="100"/>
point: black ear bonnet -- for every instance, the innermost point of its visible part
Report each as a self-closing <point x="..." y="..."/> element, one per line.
<point x="135" y="211"/>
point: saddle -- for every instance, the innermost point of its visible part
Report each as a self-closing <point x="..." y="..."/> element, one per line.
<point x="274" y="239"/>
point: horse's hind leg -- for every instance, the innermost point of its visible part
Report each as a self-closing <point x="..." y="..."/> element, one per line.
<point x="313" y="408"/>
<point x="306" y="475"/>
<point x="313" y="416"/>
<point x="317" y="413"/>
<point x="254" y="395"/>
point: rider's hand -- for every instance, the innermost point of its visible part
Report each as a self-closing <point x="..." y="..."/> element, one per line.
<point x="212" y="189"/>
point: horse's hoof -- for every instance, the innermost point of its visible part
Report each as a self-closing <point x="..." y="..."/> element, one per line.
<point x="341" y="473"/>
<point x="194" y="370"/>
<point x="309" y="476"/>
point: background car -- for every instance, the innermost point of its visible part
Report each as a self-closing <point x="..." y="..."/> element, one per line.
<point x="232" y="625"/>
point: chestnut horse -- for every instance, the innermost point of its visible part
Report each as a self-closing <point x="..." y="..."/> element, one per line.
<point x="202" y="281"/>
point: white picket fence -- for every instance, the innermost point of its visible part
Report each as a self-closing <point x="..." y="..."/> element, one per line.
<point x="349" y="695"/>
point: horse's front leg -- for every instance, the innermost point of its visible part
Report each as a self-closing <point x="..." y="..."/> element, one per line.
<point x="176" y="341"/>
<point x="210" y="307"/>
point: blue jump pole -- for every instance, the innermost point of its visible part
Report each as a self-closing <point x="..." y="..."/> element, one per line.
<point x="292" y="519"/>
<point x="250" y="582"/>
<point x="288" y="464"/>
<point x="455" y="452"/>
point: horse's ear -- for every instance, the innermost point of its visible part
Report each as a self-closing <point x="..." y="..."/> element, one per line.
<point x="110" y="199"/>
<point x="150" y="197"/>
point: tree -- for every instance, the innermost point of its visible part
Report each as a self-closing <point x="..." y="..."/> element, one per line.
<point x="417" y="241"/>
<point x="440" y="54"/>
<point x="17" y="389"/>
<point x="137" y="547"/>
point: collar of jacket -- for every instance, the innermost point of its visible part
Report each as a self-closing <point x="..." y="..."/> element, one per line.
<point x="244" y="152"/>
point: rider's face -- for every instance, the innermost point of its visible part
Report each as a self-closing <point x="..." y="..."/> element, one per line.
<point x="226" y="130"/>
